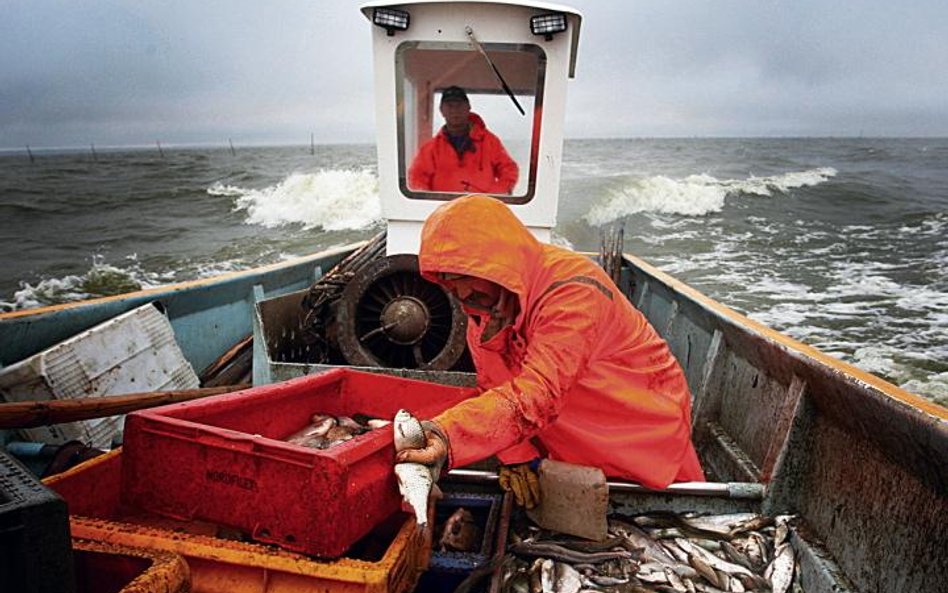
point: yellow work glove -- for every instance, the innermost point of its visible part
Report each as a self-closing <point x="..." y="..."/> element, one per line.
<point x="522" y="480"/>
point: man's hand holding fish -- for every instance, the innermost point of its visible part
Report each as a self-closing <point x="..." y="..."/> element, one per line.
<point x="434" y="454"/>
<point x="421" y="451"/>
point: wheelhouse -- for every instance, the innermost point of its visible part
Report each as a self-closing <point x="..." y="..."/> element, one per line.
<point x="513" y="61"/>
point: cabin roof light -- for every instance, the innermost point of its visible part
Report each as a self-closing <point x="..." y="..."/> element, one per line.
<point x="390" y="19"/>
<point x="548" y="24"/>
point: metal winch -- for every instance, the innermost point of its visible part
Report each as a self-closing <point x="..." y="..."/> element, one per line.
<point x="389" y="316"/>
<point x="377" y="310"/>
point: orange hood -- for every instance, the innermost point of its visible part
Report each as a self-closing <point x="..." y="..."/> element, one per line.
<point x="479" y="236"/>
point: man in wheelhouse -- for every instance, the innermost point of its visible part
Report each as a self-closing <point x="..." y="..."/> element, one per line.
<point x="464" y="156"/>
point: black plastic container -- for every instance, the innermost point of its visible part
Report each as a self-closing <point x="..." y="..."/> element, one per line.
<point x="35" y="545"/>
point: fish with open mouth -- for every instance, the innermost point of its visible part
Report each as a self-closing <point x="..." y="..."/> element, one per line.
<point x="460" y="532"/>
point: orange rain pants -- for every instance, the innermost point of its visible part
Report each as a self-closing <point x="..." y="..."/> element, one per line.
<point x="580" y="376"/>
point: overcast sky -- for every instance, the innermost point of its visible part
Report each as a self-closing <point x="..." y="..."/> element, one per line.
<point x="114" y="72"/>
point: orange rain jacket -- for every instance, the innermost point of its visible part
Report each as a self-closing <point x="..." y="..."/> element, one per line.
<point x="579" y="377"/>
<point x="487" y="168"/>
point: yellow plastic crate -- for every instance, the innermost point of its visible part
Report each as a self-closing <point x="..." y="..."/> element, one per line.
<point x="220" y="565"/>
<point x="110" y="568"/>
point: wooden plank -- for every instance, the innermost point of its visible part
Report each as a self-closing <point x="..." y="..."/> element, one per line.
<point x="726" y="458"/>
<point x="705" y="401"/>
<point x="27" y="414"/>
<point x="786" y="413"/>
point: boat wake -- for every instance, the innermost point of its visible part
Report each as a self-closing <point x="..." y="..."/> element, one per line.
<point x="332" y="200"/>
<point x="695" y="195"/>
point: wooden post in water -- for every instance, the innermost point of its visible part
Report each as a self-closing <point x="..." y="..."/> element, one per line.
<point x="95" y="157"/>
<point x="232" y="151"/>
<point x="30" y="152"/>
<point x="160" y="152"/>
<point x="312" y="144"/>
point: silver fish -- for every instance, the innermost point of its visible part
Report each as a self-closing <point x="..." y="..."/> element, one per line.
<point x="710" y="559"/>
<point x="351" y="424"/>
<point x="754" y="524"/>
<point x="674" y="580"/>
<point x="594" y="580"/>
<point x="736" y="585"/>
<point x="566" y="579"/>
<point x="339" y="434"/>
<point x="320" y="425"/>
<point x="313" y="442"/>
<point x="547" y="576"/>
<point x="534" y="574"/>
<point x="653" y="550"/>
<point x="781" y="569"/>
<point x="414" y="484"/>
<point x="756" y="549"/>
<point x="460" y="532"/>
<point x="705" y="588"/>
<point x="705" y="570"/>
<point x="414" y="479"/>
<point x="685" y="571"/>
<point x="782" y="531"/>
<point x="675" y="551"/>
<point x="736" y="555"/>
<point x="408" y="432"/>
<point x="653" y="578"/>
<point x="723" y="524"/>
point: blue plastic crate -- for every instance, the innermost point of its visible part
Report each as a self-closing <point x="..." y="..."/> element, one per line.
<point x="35" y="545"/>
<point x="447" y="569"/>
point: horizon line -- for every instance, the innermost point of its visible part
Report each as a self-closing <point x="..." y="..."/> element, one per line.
<point x="288" y="144"/>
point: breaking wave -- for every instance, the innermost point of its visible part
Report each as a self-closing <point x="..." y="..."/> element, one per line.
<point x="333" y="200"/>
<point x="99" y="280"/>
<point x="695" y="195"/>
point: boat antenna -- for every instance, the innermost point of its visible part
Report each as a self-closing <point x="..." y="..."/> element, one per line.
<point x="500" y="77"/>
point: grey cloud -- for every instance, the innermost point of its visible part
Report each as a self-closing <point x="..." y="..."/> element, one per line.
<point x="129" y="72"/>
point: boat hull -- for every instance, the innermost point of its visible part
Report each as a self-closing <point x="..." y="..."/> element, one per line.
<point x="861" y="461"/>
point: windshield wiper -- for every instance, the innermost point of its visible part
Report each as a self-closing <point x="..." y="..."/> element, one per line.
<point x="500" y="77"/>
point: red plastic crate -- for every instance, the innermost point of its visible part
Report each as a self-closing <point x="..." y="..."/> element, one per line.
<point x="387" y="560"/>
<point x="221" y="459"/>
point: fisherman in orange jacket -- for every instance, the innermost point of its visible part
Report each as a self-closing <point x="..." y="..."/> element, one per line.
<point x="464" y="156"/>
<point x="568" y="368"/>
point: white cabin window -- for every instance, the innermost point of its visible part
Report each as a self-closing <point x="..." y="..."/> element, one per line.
<point x="425" y="69"/>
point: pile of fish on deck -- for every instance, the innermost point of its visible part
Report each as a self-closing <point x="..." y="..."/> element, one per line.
<point x="657" y="552"/>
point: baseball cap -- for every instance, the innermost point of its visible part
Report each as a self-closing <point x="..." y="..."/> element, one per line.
<point x="454" y="93"/>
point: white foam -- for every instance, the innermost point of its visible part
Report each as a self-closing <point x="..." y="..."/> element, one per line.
<point x="695" y="195"/>
<point x="934" y="386"/>
<point x="934" y="225"/>
<point x="333" y="200"/>
<point x="100" y="280"/>
<point x="560" y="241"/>
<point x="219" y="189"/>
<point x="691" y="196"/>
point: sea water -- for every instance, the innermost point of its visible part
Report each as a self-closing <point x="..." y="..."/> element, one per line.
<point x="840" y="243"/>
